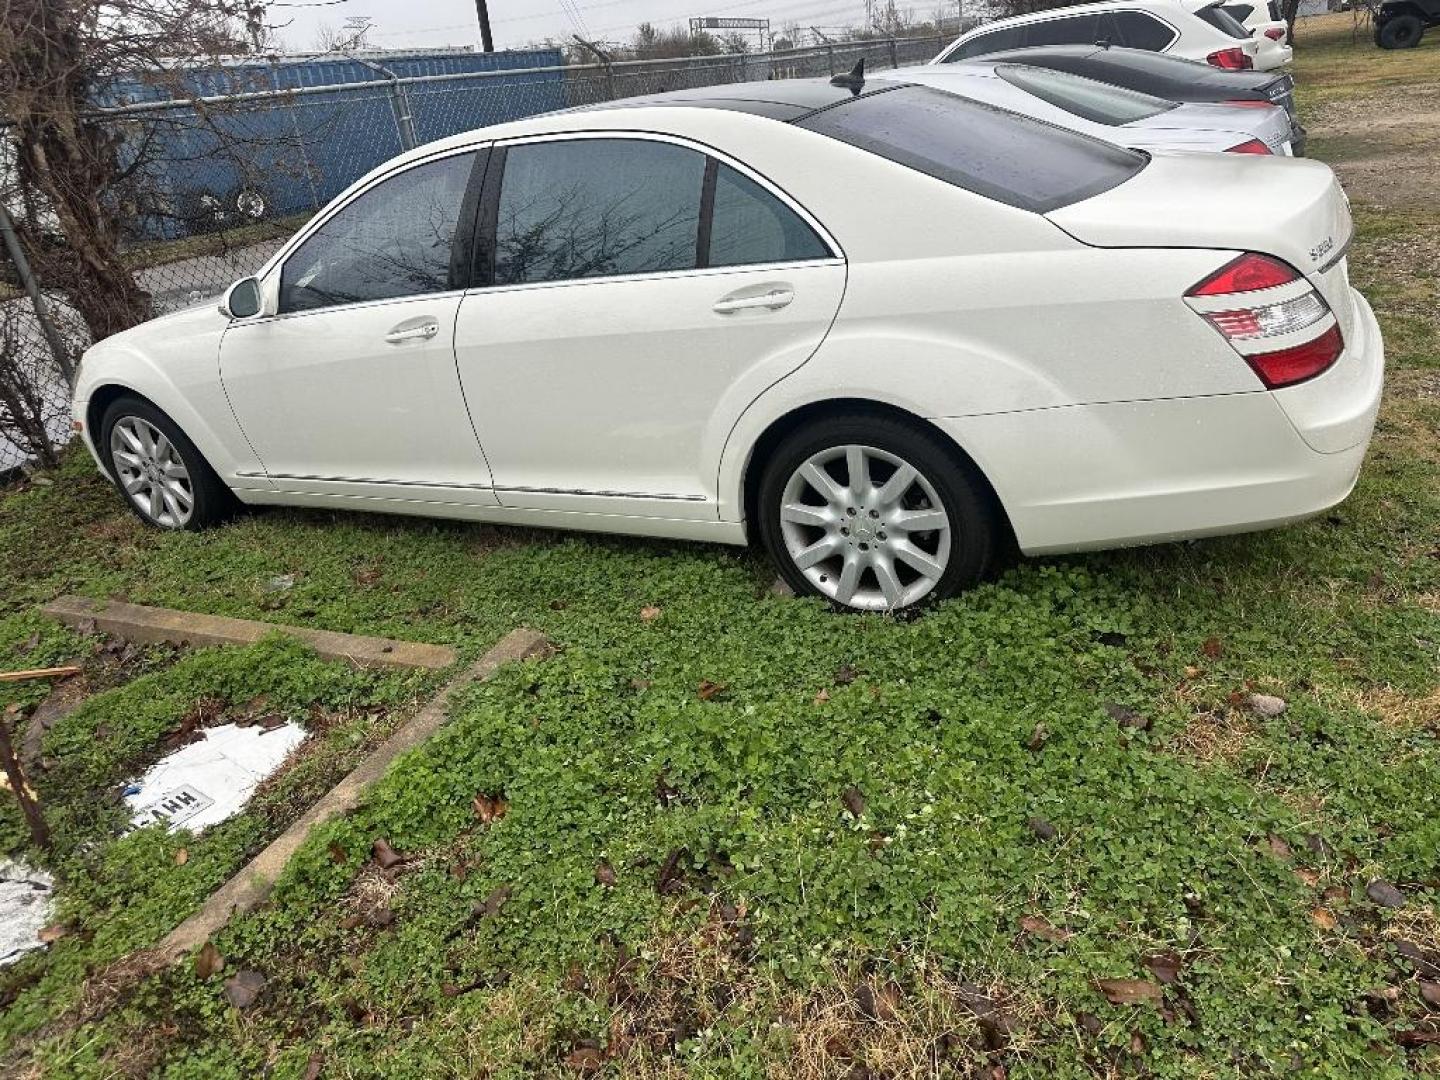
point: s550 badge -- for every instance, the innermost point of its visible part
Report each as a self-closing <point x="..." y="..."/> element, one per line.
<point x="1320" y="250"/>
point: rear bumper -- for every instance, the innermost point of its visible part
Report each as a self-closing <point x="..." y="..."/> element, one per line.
<point x="1121" y="474"/>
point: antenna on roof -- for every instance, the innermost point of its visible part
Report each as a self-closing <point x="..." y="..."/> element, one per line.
<point x="854" y="80"/>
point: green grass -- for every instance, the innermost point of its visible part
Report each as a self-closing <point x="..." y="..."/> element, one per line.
<point x="752" y="917"/>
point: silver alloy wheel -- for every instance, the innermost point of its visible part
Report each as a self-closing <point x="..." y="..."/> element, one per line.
<point x="152" y="472"/>
<point x="251" y="204"/>
<point x="865" y="527"/>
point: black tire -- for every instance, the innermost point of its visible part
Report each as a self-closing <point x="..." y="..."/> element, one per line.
<point x="1400" y="32"/>
<point x="211" y="501"/>
<point x="977" y="528"/>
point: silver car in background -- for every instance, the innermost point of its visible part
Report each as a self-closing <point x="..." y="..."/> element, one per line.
<point x="1112" y="113"/>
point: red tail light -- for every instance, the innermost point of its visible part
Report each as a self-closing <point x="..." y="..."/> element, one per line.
<point x="1249" y="146"/>
<point x="1246" y="274"/>
<point x="1269" y="316"/>
<point x="1230" y="59"/>
<point x="1290" y="366"/>
<point x="1275" y="33"/>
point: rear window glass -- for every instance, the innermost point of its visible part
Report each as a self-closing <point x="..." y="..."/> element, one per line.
<point x="1000" y="155"/>
<point x="1095" y="101"/>
<point x="1010" y="37"/>
<point x="1223" y="21"/>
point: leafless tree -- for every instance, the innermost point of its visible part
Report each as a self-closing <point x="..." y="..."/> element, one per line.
<point x="57" y="57"/>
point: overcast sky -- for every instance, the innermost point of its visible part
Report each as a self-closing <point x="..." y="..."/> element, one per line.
<point x="409" y="23"/>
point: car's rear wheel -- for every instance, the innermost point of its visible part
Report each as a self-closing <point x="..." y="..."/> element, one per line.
<point x="1400" y="32"/>
<point x="875" y="514"/>
<point x="161" y="473"/>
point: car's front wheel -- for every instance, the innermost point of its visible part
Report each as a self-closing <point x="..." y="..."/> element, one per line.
<point x="158" y="469"/>
<point x="875" y="514"/>
<point x="1400" y="32"/>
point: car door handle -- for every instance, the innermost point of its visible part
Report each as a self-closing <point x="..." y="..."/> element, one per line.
<point x="774" y="300"/>
<point x="421" y="331"/>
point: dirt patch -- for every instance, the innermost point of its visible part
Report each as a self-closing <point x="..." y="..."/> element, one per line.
<point x="1382" y="144"/>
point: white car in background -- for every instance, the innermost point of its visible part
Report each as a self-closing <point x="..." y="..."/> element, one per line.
<point x="1262" y="18"/>
<point x="1190" y="29"/>
<point x="1126" y="117"/>
<point x="883" y="329"/>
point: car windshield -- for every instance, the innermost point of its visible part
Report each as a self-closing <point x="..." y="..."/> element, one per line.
<point x="1001" y="155"/>
<point x="1095" y="101"/>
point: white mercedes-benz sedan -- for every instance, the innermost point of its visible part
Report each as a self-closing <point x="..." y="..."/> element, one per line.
<point x="885" y="330"/>
<point x="1112" y="113"/>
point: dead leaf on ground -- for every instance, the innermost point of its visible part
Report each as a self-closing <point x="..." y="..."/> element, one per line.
<point x="585" y="1059"/>
<point x="854" y="801"/>
<point x="649" y="613"/>
<point x="52" y="933"/>
<point x="182" y="856"/>
<point x="669" y="879"/>
<point x="1129" y="991"/>
<point x="1043" y="928"/>
<point x="604" y="874"/>
<point x="208" y="961"/>
<point x="385" y="855"/>
<point x="1278" y="847"/>
<point x="1212" y="648"/>
<point x="1165" y="966"/>
<point x="243" y="988"/>
<point x="1430" y="993"/>
<point x="492" y="904"/>
<point x="489" y="808"/>
<point x="1385" y="894"/>
<point x="822" y="696"/>
<point x="1042" y="828"/>
<point x="845" y="675"/>
<point x="1322" y="918"/>
<point x="314" y="1067"/>
<point x="710" y="689"/>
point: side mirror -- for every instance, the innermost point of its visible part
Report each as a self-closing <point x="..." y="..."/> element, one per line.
<point x="242" y="300"/>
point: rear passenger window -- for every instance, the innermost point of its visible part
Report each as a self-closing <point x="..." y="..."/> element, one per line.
<point x="597" y="208"/>
<point x="1137" y="30"/>
<point x="1011" y="37"/>
<point x="1239" y="12"/>
<point x="1075" y="30"/>
<point x="750" y="225"/>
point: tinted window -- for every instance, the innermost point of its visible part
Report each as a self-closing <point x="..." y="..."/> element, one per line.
<point x="1223" y="21"/>
<point x="394" y="240"/>
<point x="998" y="154"/>
<point x="1075" y="30"/>
<point x="750" y="225"/>
<point x="1096" y="101"/>
<point x="1238" y="12"/>
<point x="1137" y="30"/>
<point x="1009" y="38"/>
<point x="595" y="208"/>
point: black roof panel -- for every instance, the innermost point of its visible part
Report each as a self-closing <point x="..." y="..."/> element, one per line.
<point x="779" y="99"/>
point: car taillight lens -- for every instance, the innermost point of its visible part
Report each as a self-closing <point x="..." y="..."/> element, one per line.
<point x="1249" y="273"/>
<point x="1230" y="59"/>
<point x="1253" y="275"/>
<point x="1290" y="366"/>
<point x="1275" y="33"/>
<point x="1284" y="317"/>
<point x="1249" y="146"/>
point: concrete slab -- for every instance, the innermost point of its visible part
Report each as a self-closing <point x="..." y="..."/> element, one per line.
<point x="249" y="888"/>
<point x="135" y="622"/>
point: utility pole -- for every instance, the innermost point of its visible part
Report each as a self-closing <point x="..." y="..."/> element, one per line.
<point x="482" y="8"/>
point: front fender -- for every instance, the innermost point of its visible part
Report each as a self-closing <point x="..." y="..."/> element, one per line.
<point x="174" y="363"/>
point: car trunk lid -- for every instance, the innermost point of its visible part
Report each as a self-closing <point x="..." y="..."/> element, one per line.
<point x="1290" y="208"/>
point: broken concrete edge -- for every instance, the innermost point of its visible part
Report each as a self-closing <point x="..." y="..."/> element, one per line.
<point x="136" y="622"/>
<point x="252" y="885"/>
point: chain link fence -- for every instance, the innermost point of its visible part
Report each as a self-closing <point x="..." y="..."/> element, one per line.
<point x="226" y="179"/>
